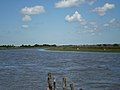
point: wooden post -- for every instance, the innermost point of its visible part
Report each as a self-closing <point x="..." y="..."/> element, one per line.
<point x="50" y="81"/>
<point x="54" y="83"/>
<point x="72" y="86"/>
<point x="64" y="83"/>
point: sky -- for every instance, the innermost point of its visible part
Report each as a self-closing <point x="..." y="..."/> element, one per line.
<point x="59" y="22"/>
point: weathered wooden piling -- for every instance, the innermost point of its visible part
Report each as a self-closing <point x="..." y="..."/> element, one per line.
<point x="72" y="86"/>
<point x="50" y="81"/>
<point x="54" y="83"/>
<point x="64" y="83"/>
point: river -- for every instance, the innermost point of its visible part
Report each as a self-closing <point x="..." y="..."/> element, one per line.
<point x="27" y="69"/>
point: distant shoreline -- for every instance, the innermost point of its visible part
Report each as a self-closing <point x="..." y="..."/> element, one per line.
<point x="59" y="49"/>
<point x="87" y="50"/>
<point x="75" y="48"/>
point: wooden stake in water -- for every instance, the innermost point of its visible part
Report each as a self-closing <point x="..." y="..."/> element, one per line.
<point x="54" y="83"/>
<point x="64" y="83"/>
<point x="72" y="86"/>
<point x="50" y="81"/>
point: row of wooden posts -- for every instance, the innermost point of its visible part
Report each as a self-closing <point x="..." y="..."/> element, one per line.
<point x="52" y="83"/>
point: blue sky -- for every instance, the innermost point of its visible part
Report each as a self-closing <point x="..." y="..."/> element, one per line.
<point x="59" y="21"/>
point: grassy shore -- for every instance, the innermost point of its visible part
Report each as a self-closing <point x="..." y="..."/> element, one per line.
<point x="78" y="48"/>
<point x="85" y="49"/>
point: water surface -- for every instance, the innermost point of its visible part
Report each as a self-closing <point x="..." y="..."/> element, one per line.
<point x="28" y="69"/>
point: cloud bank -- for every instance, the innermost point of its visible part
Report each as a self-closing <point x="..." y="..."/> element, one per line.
<point x="68" y="3"/>
<point x="113" y="23"/>
<point x="72" y="3"/>
<point x="32" y="10"/>
<point x="102" y="10"/>
<point x="86" y="26"/>
<point x="27" y="12"/>
<point x="91" y="1"/>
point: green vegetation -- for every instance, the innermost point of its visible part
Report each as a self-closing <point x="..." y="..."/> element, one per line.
<point x="91" y="48"/>
<point x="7" y="47"/>
<point x="88" y="48"/>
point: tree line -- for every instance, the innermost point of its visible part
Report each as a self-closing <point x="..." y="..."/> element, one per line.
<point x="54" y="45"/>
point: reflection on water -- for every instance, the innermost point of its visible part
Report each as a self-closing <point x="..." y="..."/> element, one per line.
<point x="27" y="69"/>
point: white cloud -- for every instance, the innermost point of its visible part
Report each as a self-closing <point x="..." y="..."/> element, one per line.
<point x="93" y="27"/>
<point x="33" y="10"/>
<point x="113" y="24"/>
<point x="106" y="25"/>
<point x="26" y="18"/>
<point x="91" y="1"/>
<point x="76" y="17"/>
<point x="68" y="3"/>
<point x="29" y="11"/>
<point x="112" y="20"/>
<point x="25" y="26"/>
<point x="85" y="26"/>
<point x="102" y="10"/>
<point x="72" y="3"/>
